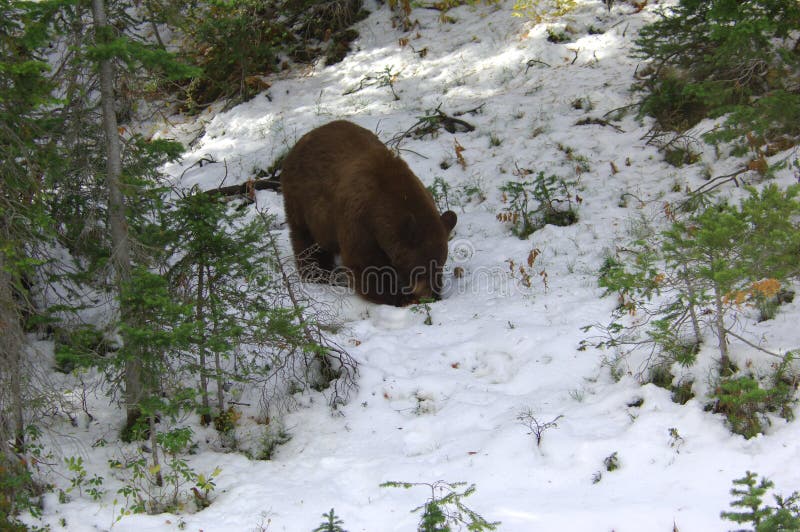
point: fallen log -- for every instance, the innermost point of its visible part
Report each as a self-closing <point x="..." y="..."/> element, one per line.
<point x="247" y="188"/>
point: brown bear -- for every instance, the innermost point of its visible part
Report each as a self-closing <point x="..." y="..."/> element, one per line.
<point x="346" y="193"/>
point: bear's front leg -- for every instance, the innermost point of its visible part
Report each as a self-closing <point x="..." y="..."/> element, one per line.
<point x="313" y="262"/>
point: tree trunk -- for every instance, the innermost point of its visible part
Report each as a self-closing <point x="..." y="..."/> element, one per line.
<point x="692" y="308"/>
<point x="11" y="346"/>
<point x="205" y="417"/>
<point x="121" y="254"/>
<point x="219" y="379"/>
<point x="220" y="383"/>
<point x="217" y="361"/>
<point x="159" y="477"/>
<point x="722" y="336"/>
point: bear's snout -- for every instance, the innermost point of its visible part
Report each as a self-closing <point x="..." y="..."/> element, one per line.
<point x="421" y="291"/>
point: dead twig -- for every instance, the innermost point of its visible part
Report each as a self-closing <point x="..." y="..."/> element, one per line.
<point x="717" y="182"/>
<point x="532" y="62"/>
<point x="751" y="344"/>
<point x="387" y="78"/>
<point x="204" y="159"/>
<point x="576" y="52"/>
<point x="336" y="366"/>
<point x="619" y="109"/>
<point x="537" y="428"/>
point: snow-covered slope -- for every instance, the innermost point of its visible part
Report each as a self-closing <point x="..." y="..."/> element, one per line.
<point x="441" y="401"/>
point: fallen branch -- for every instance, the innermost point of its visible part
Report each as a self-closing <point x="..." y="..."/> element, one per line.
<point x="718" y="182"/>
<point x="268" y="179"/>
<point x="456" y="125"/>
<point x="430" y="124"/>
<point x="642" y="203"/>
<point x="246" y="189"/>
<point x="474" y="111"/>
<point x="598" y="122"/>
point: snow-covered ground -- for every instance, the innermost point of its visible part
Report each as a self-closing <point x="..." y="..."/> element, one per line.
<point x="441" y="401"/>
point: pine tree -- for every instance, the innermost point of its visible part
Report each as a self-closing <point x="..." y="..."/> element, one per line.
<point x="708" y="243"/>
<point x="332" y="523"/>
<point x="106" y="49"/>
<point x="220" y="266"/>
<point x="750" y="497"/>
<point x="120" y="242"/>
<point x="25" y="223"/>
<point x="749" y="506"/>
<point x="25" y="228"/>
<point x="718" y="258"/>
<point x="156" y="329"/>
<point x="445" y="508"/>
<point x="220" y="269"/>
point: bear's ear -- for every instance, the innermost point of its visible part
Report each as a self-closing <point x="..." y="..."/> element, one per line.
<point x="449" y="220"/>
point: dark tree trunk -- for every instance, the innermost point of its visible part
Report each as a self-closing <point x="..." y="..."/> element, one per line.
<point x="11" y="371"/>
<point x="121" y="252"/>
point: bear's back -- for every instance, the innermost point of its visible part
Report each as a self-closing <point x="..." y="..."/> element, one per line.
<point x="338" y="151"/>
<point x="341" y="165"/>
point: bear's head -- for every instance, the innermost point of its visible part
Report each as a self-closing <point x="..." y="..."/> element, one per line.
<point x="419" y="269"/>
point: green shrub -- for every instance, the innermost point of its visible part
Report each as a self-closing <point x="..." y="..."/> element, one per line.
<point x="745" y="403"/>
<point x="232" y="41"/>
<point x="742" y="401"/>
<point x="682" y="392"/>
<point x="20" y="491"/>
<point x="445" y="509"/>
<point x="749" y="506"/>
<point x="718" y="57"/>
<point x="672" y="103"/>
<point x="558" y="36"/>
<point x="661" y="376"/>
<point x="532" y="204"/>
<point x="440" y="190"/>
<point x="679" y="156"/>
<point x="611" y="462"/>
<point x="16" y="493"/>
<point x="237" y="41"/>
<point x="79" y="347"/>
<point x="167" y="484"/>
<point x="80" y="482"/>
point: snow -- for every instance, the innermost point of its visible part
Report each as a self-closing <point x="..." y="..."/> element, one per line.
<point x="441" y="402"/>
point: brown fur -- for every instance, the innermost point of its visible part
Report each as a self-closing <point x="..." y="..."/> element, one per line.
<point x="346" y="193"/>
